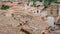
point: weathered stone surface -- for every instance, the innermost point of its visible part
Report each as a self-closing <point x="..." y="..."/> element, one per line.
<point x="17" y="17"/>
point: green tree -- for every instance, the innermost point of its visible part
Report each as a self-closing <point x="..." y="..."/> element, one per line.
<point x="48" y="2"/>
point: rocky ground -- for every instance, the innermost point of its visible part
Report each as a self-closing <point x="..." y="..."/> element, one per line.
<point x="12" y="24"/>
<point x="22" y="20"/>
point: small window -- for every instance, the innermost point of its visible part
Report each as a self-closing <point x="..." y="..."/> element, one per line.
<point x="37" y="11"/>
<point x="51" y="12"/>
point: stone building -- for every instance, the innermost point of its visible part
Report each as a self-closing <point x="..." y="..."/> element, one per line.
<point x="53" y="10"/>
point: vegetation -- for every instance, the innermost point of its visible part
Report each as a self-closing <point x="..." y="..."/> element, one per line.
<point x="46" y="2"/>
<point x="57" y="2"/>
<point x="36" y="0"/>
<point x="4" y="7"/>
<point x="10" y="0"/>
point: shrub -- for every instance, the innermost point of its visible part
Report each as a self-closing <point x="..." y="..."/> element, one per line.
<point x="4" y="7"/>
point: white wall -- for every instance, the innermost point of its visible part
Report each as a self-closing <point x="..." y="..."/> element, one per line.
<point x="59" y="12"/>
<point x="50" y="21"/>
